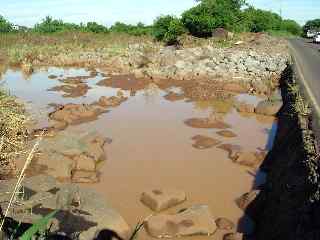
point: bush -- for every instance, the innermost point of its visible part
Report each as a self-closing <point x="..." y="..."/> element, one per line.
<point x="258" y="20"/>
<point x="168" y="29"/>
<point x="5" y="26"/>
<point x="202" y="19"/>
<point x="49" y="25"/>
<point x="95" y="28"/>
<point x="291" y="26"/>
<point x="137" y="30"/>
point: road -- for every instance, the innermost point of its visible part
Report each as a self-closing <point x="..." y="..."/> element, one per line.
<point x="307" y="58"/>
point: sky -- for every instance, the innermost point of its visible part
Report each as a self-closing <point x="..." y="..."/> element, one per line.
<point x="29" y="12"/>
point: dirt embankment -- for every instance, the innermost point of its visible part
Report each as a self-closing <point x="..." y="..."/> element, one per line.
<point x="287" y="205"/>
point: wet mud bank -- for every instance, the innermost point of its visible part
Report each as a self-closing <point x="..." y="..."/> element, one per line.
<point x="287" y="205"/>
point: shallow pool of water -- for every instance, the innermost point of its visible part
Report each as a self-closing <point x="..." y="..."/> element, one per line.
<point x="152" y="147"/>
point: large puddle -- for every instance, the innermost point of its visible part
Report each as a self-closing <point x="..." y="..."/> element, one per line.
<point x="152" y="147"/>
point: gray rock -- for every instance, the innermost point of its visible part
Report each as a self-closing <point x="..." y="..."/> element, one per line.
<point x="196" y="220"/>
<point x="40" y="183"/>
<point x="161" y="199"/>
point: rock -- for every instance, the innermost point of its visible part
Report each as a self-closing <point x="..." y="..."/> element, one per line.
<point x="124" y="82"/>
<point x="233" y="236"/>
<point x="196" y="220"/>
<point x="269" y="108"/>
<point x="224" y="224"/>
<point x="58" y="165"/>
<point x="76" y="113"/>
<point x="250" y="159"/>
<point x="161" y="199"/>
<point x="245" y="107"/>
<point x="172" y="96"/>
<point x="40" y="183"/>
<point x="244" y="201"/>
<point x="83" y="176"/>
<point x="231" y="149"/>
<point x="227" y="134"/>
<point x="72" y="91"/>
<point x="111" y="101"/>
<point x="203" y="142"/>
<point x="206" y="123"/>
<point x="84" y="162"/>
<point x="83" y="211"/>
<point x="52" y="76"/>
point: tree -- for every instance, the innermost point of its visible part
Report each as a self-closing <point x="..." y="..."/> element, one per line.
<point x="258" y="20"/>
<point x="202" y="19"/>
<point x="96" y="28"/>
<point x="168" y="28"/>
<point x="5" y="26"/>
<point x="291" y="26"/>
<point x="312" y="25"/>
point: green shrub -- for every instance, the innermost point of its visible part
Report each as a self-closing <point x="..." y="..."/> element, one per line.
<point x="137" y="30"/>
<point x="202" y="19"/>
<point x="95" y="28"/>
<point x="5" y="26"/>
<point x="168" y="29"/>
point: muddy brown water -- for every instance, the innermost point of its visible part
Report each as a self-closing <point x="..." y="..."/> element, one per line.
<point x="152" y="147"/>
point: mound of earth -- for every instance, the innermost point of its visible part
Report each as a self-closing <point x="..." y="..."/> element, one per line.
<point x="76" y="113"/>
<point x="124" y="82"/>
<point x="206" y="123"/>
<point x="72" y="91"/>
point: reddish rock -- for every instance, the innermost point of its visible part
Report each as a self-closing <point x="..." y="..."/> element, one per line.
<point x="196" y="220"/>
<point x="227" y="134"/>
<point x="161" y="199"/>
<point x="224" y="224"/>
<point x="206" y="123"/>
<point x="172" y="96"/>
<point x="203" y="142"/>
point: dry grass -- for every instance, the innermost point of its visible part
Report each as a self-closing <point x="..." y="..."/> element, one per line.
<point x="12" y="132"/>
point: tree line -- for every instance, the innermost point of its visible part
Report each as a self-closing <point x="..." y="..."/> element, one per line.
<point x="199" y="21"/>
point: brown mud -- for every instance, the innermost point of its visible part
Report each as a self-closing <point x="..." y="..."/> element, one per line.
<point x="155" y="142"/>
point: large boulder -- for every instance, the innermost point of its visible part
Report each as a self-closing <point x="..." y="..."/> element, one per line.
<point x="161" y="199"/>
<point x="196" y="220"/>
<point x="269" y="108"/>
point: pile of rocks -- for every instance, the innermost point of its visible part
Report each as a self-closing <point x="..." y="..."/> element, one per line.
<point x="205" y="62"/>
<point x="71" y="157"/>
<point x="81" y="211"/>
<point x="195" y="220"/>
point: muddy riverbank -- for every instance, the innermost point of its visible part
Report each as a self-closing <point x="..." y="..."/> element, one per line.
<point x="202" y="138"/>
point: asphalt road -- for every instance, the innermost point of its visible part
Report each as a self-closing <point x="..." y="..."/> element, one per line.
<point x="307" y="62"/>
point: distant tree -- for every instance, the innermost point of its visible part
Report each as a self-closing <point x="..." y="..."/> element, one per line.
<point x="168" y="28"/>
<point x="5" y="26"/>
<point x="136" y="30"/>
<point x="96" y="28"/>
<point x="291" y="26"/>
<point x="258" y="20"/>
<point x="312" y="25"/>
<point x="202" y="19"/>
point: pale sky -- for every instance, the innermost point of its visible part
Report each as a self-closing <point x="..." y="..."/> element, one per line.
<point x="29" y="12"/>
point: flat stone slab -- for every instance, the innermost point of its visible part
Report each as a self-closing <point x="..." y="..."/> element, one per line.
<point x="196" y="220"/>
<point x="161" y="199"/>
